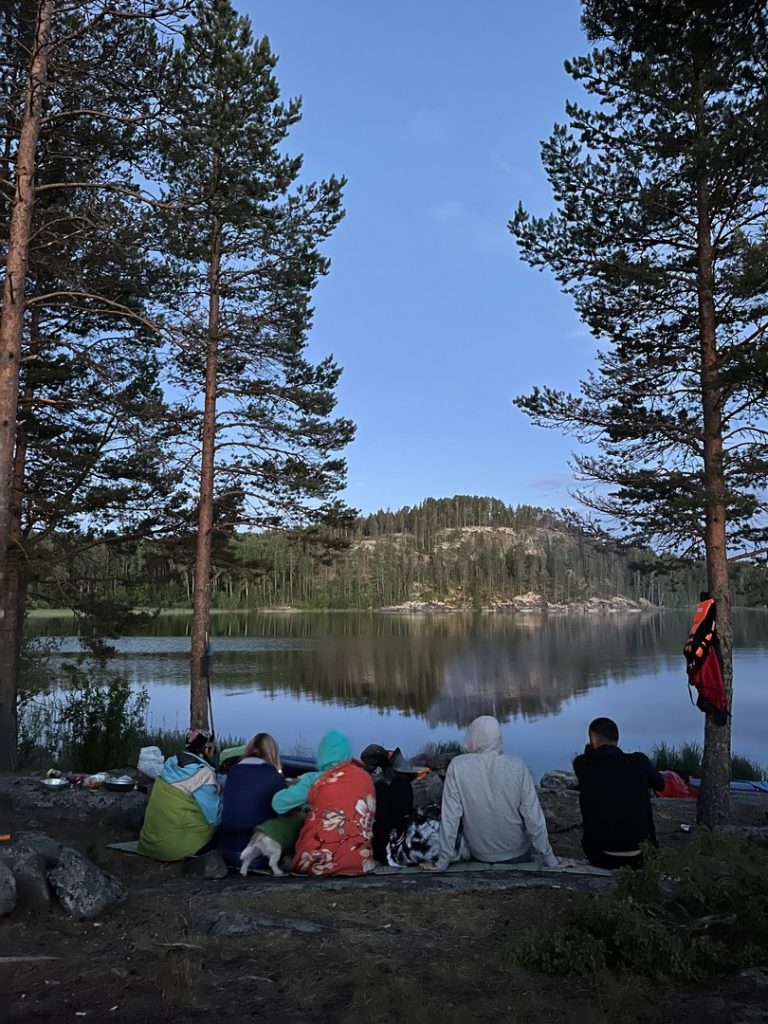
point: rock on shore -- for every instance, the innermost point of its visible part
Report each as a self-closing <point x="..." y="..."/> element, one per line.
<point x="528" y="604"/>
<point x="34" y="866"/>
<point x="123" y="809"/>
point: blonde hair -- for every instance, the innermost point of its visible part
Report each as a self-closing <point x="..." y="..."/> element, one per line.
<point x="265" y="746"/>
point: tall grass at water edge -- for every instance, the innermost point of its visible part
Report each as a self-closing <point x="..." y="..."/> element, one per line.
<point x="687" y="759"/>
<point x="104" y="725"/>
<point x="442" y="747"/>
<point x="48" y="737"/>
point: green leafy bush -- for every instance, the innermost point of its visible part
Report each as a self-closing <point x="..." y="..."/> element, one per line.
<point x="685" y="914"/>
<point x="85" y="725"/>
<point x="103" y="722"/>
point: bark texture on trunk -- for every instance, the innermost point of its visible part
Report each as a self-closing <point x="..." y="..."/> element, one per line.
<point x="713" y="801"/>
<point x="15" y="586"/>
<point x="198" y="679"/>
<point x="11" y="328"/>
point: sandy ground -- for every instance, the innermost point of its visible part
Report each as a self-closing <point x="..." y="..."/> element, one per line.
<point x="406" y="954"/>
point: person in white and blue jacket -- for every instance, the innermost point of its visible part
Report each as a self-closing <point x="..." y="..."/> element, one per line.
<point x="184" y="807"/>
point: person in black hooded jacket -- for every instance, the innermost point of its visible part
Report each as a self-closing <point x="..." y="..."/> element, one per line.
<point x="614" y="795"/>
<point x="394" y="796"/>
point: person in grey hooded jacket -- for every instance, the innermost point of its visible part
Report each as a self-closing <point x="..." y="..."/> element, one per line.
<point x="492" y="798"/>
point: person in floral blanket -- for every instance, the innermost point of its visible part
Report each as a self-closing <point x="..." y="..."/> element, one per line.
<point x="336" y="836"/>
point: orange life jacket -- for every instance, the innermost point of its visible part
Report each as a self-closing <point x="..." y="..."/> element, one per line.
<point x="702" y="633"/>
<point x="703" y="663"/>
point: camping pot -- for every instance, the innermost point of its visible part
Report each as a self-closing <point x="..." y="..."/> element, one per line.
<point x="54" y="783"/>
<point x="121" y="784"/>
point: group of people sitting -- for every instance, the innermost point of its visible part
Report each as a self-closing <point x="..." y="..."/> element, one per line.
<point x="348" y="814"/>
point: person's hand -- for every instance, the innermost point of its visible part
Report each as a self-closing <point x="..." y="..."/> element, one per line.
<point x="428" y="865"/>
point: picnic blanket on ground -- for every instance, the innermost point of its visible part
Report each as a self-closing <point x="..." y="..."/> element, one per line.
<point x="129" y="847"/>
<point x="580" y="868"/>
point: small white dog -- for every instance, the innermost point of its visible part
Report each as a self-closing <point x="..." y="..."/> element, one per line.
<point x="272" y="839"/>
<point x="261" y="845"/>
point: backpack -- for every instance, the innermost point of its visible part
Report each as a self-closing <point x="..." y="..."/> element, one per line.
<point x="704" y="663"/>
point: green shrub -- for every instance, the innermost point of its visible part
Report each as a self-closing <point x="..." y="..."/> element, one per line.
<point x="84" y="726"/>
<point x="103" y="722"/>
<point x="684" y="915"/>
<point x="563" y="953"/>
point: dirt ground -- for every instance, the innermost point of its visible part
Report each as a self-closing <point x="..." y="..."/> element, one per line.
<point x="407" y="954"/>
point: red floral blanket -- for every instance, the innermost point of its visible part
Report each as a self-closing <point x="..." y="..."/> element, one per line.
<point x="336" y="837"/>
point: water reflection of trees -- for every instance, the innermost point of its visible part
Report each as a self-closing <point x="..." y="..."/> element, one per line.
<point x="452" y="668"/>
<point x="447" y="668"/>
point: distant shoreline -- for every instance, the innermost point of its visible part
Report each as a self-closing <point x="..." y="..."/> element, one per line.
<point x="410" y="608"/>
<point x="599" y="606"/>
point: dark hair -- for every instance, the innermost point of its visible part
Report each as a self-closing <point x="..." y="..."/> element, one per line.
<point x="605" y="728"/>
<point x="197" y="740"/>
<point x="374" y="756"/>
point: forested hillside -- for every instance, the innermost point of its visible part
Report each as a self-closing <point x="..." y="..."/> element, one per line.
<point x="467" y="551"/>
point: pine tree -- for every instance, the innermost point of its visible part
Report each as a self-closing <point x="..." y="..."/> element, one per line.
<point x="661" y="237"/>
<point x="78" y="62"/>
<point x="245" y="255"/>
<point x="77" y="95"/>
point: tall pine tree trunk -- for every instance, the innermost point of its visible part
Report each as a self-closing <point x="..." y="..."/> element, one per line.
<point x="198" y="690"/>
<point x="14" y="584"/>
<point x="11" y="328"/>
<point x="712" y="806"/>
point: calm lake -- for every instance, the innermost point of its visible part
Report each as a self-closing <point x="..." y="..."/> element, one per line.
<point x="409" y="679"/>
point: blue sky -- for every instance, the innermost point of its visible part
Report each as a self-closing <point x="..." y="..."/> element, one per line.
<point x="435" y="112"/>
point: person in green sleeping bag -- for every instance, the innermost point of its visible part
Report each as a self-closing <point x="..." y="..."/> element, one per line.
<point x="184" y="807"/>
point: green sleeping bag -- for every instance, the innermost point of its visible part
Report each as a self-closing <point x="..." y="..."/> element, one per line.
<point x="174" y="826"/>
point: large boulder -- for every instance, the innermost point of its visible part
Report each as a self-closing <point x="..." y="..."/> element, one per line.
<point x="84" y="890"/>
<point x="29" y="874"/>
<point x="48" y="849"/>
<point x="557" y="781"/>
<point x="123" y="809"/>
<point x="7" y="890"/>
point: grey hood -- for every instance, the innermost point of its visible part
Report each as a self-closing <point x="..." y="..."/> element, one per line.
<point x="483" y="736"/>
